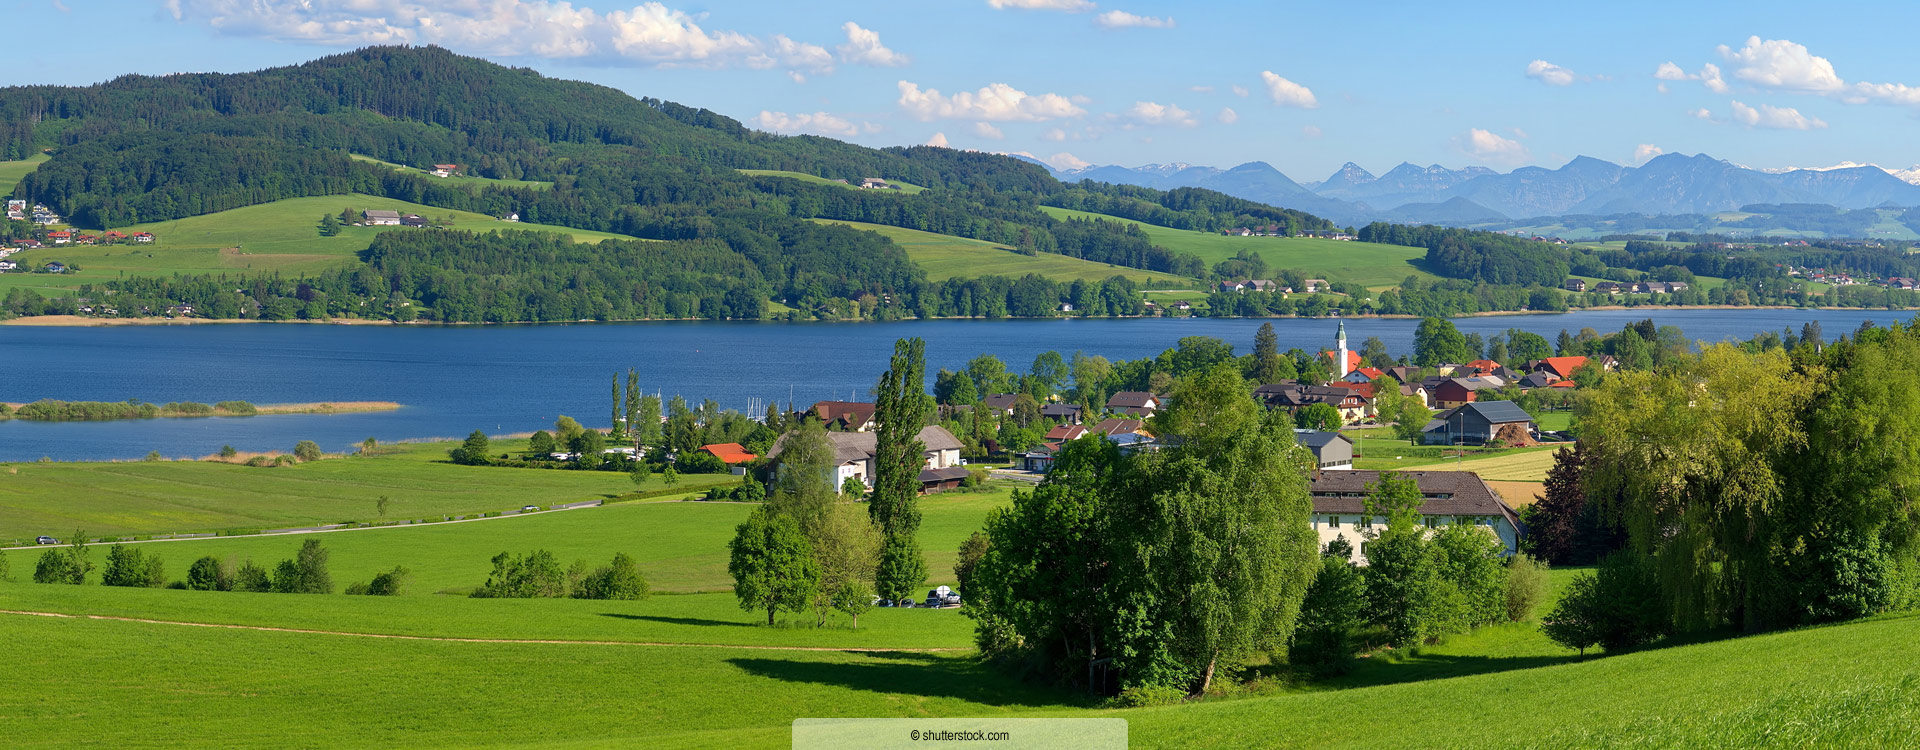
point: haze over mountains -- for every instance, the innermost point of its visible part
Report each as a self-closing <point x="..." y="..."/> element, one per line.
<point x="1667" y="184"/>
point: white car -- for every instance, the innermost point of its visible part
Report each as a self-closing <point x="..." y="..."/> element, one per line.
<point x="529" y="508"/>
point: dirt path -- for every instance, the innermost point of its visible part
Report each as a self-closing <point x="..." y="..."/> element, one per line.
<point x="446" y="639"/>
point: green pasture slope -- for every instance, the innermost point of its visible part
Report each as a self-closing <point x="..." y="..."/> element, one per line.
<point x="12" y="171"/>
<point x="1369" y="264"/>
<point x="461" y="180"/>
<point x="945" y="256"/>
<point x="905" y="187"/>
<point x="127" y="498"/>
<point x="277" y="236"/>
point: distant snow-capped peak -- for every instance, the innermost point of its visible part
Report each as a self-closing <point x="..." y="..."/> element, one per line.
<point x="1910" y="175"/>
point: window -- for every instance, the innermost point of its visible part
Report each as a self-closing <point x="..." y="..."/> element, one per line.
<point x="1365" y="522"/>
<point x="1333" y="522"/>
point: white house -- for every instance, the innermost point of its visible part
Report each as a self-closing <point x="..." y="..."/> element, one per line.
<point x="1447" y="498"/>
<point x="853" y="452"/>
<point x="381" y="218"/>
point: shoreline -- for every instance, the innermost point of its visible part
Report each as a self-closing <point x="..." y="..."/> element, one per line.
<point x="80" y="321"/>
<point x="260" y="410"/>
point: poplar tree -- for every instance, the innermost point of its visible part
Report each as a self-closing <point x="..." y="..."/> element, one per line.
<point x="618" y="420"/>
<point x="633" y="404"/>
<point x="901" y="409"/>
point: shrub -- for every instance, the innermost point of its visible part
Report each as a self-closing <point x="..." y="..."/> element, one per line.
<point x="260" y="461"/>
<point x="307" y="450"/>
<point x="6" y="573"/>
<point x="472" y="451"/>
<point x="251" y="577"/>
<point x="356" y="588"/>
<point x="535" y="575"/>
<point x="209" y="574"/>
<point x="1617" y="607"/>
<point x="1149" y="695"/>
<point x="152" y="456"/>
<point x="390" y="583"/>
<point x="1526" y="586"/>
<point x="129" y="566"/>
<point x="227" y="452"/>
<point x="1323" y="639"/>
<point x="621" y="580"/>
<point x="700" y="462"/>
<point x="306" y="573"/>
<point x="749" y="490"/>
<point x="1470" y="560"/>
<point x="283" y="460"/>
<point x="237" y="408"/>
<point x="54" y="567"/>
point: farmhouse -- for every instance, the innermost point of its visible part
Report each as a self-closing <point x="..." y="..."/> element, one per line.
<point x="142" y="237"/>
<point x="1315" y="286"/>
<point x="444" y="170"/>
<point x="1446" y="498"/>
<point x="1478" y="423"/>
<point x="853" y="454"/>
<point x="875" y="183"/>
<point x="1332" y="451"/>
<point x="61" y="237"/>
<point x="381" y="218"/>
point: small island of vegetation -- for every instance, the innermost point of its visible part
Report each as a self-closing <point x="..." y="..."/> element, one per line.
<point x="51" y="410"/>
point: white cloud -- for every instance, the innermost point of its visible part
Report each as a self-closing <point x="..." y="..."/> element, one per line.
<point x="1549" y="73"/>
<point x="863" y="47"/>
<point x="818" y="123"/>
<point x="1310" y="131"/>
<point x="1054" y="134"/>
<point x="1201" y="89"/>
<point x="938" y="139"/>
<point x="1646" y="151"/>
<point x="987" y="130"/>
<point x="1781" y="64"/>
<point x="1155" y="113"/>
<point x="1709" y="76"/>
<point x="1490" y="146"/>
<point x="649" y="34"/>
<point x="1240" y="91"/>
<point x="1120" y="19"/>
<point x="1701" y="114"/>
<point x="1070" y="6"/>
<point x="1774" y="118"/>
<point x="997" y="101"/>
<point x="1669" y="72"/>
<point x="1228" y="116"/>
<point x="1287" y="93"/>
<point x="1064" y="161"/>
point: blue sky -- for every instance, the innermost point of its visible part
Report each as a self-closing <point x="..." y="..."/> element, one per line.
<point x="1302" y="86"/>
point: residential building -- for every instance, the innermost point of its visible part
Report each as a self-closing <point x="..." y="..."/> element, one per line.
<point x="1446" y="498"/>
<point x="1064" y="413"/>
<point x="1454" y="392"/>
<point x="1315" y="286"/>
<point x="1134" y="403"/>
<point x="1476" y="423"/>
<point x="853" y="455"/>
<point x="444" y="170"/>
<point x="1365" y="375"/>
<point x="1575" y="285"/>
<point x="1332" y="451"/>
<point x="847" y="416"/>
<point x="875" y="183"/>
<point x="142" y="237"/>
<point x="381" y="218"/>
<point x="1560" y="368"/>
<point x="1001" y="402"/>
<point x="1113" y="426"/>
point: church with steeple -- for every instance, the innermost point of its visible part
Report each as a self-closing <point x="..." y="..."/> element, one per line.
<point x="1339" y="358"/>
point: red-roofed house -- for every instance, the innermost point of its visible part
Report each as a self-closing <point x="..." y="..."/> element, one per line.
<point x="1483" y="366"/>
<point x="1065" y="432"/>
<point x="732" y="453"/>
<point x="142" y="237"/>
<point x="1559" y="367"/>
<point x="61" y="237"/>
<point x="1365" y="375"/>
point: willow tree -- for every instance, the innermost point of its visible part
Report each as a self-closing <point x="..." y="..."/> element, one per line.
<point x="900" y="409"/>
<point x="1688" y="459"/>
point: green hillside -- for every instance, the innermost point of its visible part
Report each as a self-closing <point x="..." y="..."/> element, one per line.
<point x="945" y="256"/>
<point x="12" y="171"/>
<point x="1365" y="263"/>
<point x="278" y="236"/>
<point x="463" y="180"/>
<point x="905" y="187"/>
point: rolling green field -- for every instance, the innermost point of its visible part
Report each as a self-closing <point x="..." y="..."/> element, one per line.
<point x="945" y="256"/>
<point x="905" y="187"/>
<point x="119" y="499"/>
<point x="461" y="180"/>
<point x="12" y="171"/>
<point x="1369" y="264"/>
<point x="278" y="236"/>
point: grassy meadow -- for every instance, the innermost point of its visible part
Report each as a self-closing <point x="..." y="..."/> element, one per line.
<point x="280" y="236"/>
<point x="1369" y="264"/>
<point x="945" y="256"/>
<point x="461" y="180"/>
<point x="905" y="187"/>
<point x="150" y="497"/>
<point x="12" y="171"/>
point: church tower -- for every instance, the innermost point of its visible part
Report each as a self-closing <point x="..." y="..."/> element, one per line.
<point x="1340" y="361"/>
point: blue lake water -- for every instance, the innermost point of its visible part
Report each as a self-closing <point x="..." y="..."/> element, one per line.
<point x="506" y="379"/>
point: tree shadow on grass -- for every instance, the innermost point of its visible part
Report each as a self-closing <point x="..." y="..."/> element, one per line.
<point x="1422" y="667"/>
<point x="701" y="622"/>
<point x="916" y="674"/>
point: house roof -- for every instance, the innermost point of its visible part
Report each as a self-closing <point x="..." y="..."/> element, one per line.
<point x="1065" y="432"/>
<point x="1372" y="373"/>
<point x="1318" y="438"/>
<point x="948" y="474"/>
<point x="1484" y="365"/>
<point x="1495" y="412"/>
<point x="1060" y="410"/>
<point x="732" y="453"/>
<point x="1561" y="366"/>
<point x="859" y="446"/>
<point x="1537" y="380"/>
<point x="1443" y="493"/>
<point x="854" y="412"/>
<point x="1118" y="426"/>
<point x="377" y="213"/>
<point x="1000" y="400"/>
<point x="1353" y="358"/>
<point x="1132" y="400"/>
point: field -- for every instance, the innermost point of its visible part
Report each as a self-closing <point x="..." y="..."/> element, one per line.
<point x="120" y="499"/>
<point x="278" y="236"/>
<point x="905" y="187"/>
<point x="462" y="180"/>
<point x="945" y="256"/>
<point x="1369" y="264"/>
<point x="12" y="171"/>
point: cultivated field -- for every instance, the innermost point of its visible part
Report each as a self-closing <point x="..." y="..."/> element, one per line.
<point x="1366" y="263"/>
<point x="905" y="187"/>
<point x="278" y="236"/>
<point x="945" y="256"/>
<point x="141" y="497"/>
<point x="1522" y="466"/>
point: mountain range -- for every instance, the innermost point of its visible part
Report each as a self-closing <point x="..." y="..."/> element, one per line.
<point x="1667" y="184"/>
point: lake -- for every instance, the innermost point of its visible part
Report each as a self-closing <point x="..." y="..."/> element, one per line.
<point x="508" y="379"/>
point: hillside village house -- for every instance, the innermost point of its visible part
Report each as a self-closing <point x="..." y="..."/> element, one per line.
<point x="444" y="170"/>
<point x="1134" y="403"/>
<point x="1447" y="498"/>
<point x="853" y="454"/>
<point x="376" y="217"/>
<point x="875" y="183"/>
<point x="1476" y="423"/>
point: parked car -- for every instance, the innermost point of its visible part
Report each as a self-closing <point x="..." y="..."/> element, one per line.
<point x="529" y="508"/>
<point x="938" y="597"/>
<point x="45" y="540"/>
